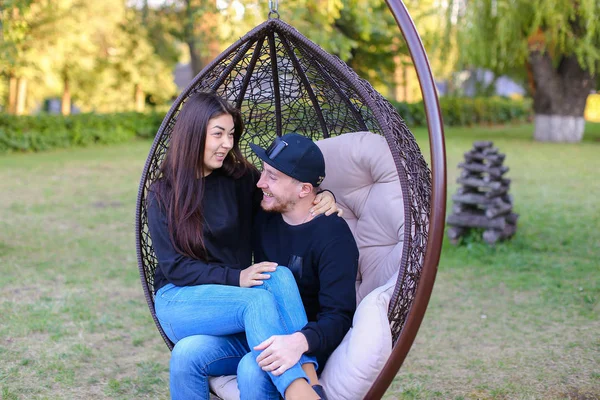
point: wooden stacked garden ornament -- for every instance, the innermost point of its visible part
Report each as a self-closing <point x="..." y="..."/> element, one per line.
<point x="483" y="201"/>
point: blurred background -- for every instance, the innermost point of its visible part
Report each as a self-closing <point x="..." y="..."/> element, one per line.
<point x="72" y="56"/>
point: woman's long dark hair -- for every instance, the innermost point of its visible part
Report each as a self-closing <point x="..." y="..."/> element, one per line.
<point x="180" y="189"/>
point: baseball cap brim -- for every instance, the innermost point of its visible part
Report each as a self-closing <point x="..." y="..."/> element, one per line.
<point x="262" y="154"/>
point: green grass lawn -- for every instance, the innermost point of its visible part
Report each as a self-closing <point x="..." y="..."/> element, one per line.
<point x="517" y="321"/>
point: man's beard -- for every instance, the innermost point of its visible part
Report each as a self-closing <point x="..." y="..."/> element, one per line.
<point x="278" y="206"/>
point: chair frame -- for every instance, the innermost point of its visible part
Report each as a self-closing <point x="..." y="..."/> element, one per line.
<point x="424" y="192"/>
<point x="437" y="213"/>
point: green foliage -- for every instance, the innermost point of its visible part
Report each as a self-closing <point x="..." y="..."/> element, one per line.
<point x="363" y="33"/>
<point x="129" y="62"/>
<point x="498" y="34"/>
<point x="467" y="111"/>
<point x="98" y="52"/>
<point x="368" y="27"/>
<point x="48" y="131"/>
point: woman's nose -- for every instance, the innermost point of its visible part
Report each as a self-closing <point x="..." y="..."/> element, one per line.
<point x="227" y="143"/>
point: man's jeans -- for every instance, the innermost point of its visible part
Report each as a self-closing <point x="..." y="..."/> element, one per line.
<point x="214" y="328"/>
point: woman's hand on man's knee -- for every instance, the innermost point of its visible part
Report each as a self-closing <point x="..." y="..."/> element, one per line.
<point x="255" y="274"/>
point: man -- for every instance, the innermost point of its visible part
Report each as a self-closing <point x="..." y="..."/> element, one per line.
<point x="321" y="252"/>
<point x="323" y="257"/>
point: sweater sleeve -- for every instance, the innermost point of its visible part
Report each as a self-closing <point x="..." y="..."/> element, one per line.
<point x="338" y="264"/>
<point x="178" y="269"/>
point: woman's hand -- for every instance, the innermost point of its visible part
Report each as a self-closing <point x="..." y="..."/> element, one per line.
<point x="325" y="203"/>
<point x="255" y="274"/>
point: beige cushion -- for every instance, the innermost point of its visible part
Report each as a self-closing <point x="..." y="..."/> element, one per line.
<point x="225" y="387"/>
<point x="354" y="365"/>
<point x="361" y="172"/>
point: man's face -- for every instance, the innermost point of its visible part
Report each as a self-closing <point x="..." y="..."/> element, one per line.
<point x="280" y="191"/>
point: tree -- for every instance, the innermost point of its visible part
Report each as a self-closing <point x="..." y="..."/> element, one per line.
<point x="557" y="42"/>
<point x="371" y="33"/>
<point x="200" y="24"/>
<point x="26" y="27"/>
<point x="72" y="49"/>
<point x="97" y="52"/>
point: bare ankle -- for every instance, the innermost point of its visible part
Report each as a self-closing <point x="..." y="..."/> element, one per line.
<point x="300" y="389"/>
<point x="311" y="373"/>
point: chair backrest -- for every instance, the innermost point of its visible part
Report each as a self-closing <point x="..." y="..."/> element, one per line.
<point x="361" y="172"/>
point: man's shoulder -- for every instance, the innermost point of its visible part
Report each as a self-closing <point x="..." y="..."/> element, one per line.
<point x="332" y="220"/>
<point x="332" y="224"/>
<point x="333" y="235"/>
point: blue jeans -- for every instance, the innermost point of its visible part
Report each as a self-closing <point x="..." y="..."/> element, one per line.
<point x="215" y="328"/>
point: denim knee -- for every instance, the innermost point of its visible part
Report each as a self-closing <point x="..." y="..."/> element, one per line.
<point x="187" y="356"/>
<point x="262" y="300"/>
<point x="282" y="281"/>
<point x="282" y="275"/>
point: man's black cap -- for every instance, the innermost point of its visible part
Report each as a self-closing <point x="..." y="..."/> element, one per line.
<point x="296" y="156"/>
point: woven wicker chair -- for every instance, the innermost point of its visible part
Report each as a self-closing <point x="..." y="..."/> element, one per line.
<point x="282" y="82"/>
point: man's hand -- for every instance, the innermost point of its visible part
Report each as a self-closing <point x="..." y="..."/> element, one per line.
<point x="280" y="352"/>
<point x="254" y="274"/>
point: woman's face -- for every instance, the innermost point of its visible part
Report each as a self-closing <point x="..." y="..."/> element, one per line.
<point x="219" y="141"/>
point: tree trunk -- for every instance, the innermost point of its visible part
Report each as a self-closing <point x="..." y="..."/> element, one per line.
<point x="65" y="104"/>
<point x="559" y="97"/>
<point x="201" y="33"/>
<point x="194" y="57"/>
<point x="21" y="96"/>
<point x="145" y="13"/>
<point x="191" y="39"/>
<point x="12" y="95"/>
<point x="140" y="100"/>
<point x="211" y="43"/>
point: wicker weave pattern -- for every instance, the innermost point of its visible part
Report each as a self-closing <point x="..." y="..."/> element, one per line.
<point x="282" y="82"/>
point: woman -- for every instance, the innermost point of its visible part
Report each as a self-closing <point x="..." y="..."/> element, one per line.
<point x="200" y="215"/>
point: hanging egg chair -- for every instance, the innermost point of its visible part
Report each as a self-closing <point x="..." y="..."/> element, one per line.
<point x="282" y="82"/>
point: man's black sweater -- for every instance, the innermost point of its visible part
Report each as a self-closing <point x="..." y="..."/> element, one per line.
<point x="323" y="256"/>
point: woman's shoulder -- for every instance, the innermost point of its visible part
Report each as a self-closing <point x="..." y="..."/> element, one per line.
<point x="155" y="190"/>
<point x="158" y="187"/>
<point x="250" y="176"/>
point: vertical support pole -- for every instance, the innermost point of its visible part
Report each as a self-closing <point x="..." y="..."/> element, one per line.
<point x="438" y="200"/>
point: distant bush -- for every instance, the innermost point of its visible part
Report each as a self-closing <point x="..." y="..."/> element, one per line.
<point x="461" y="111"/>
<point x="49" y="131"/>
